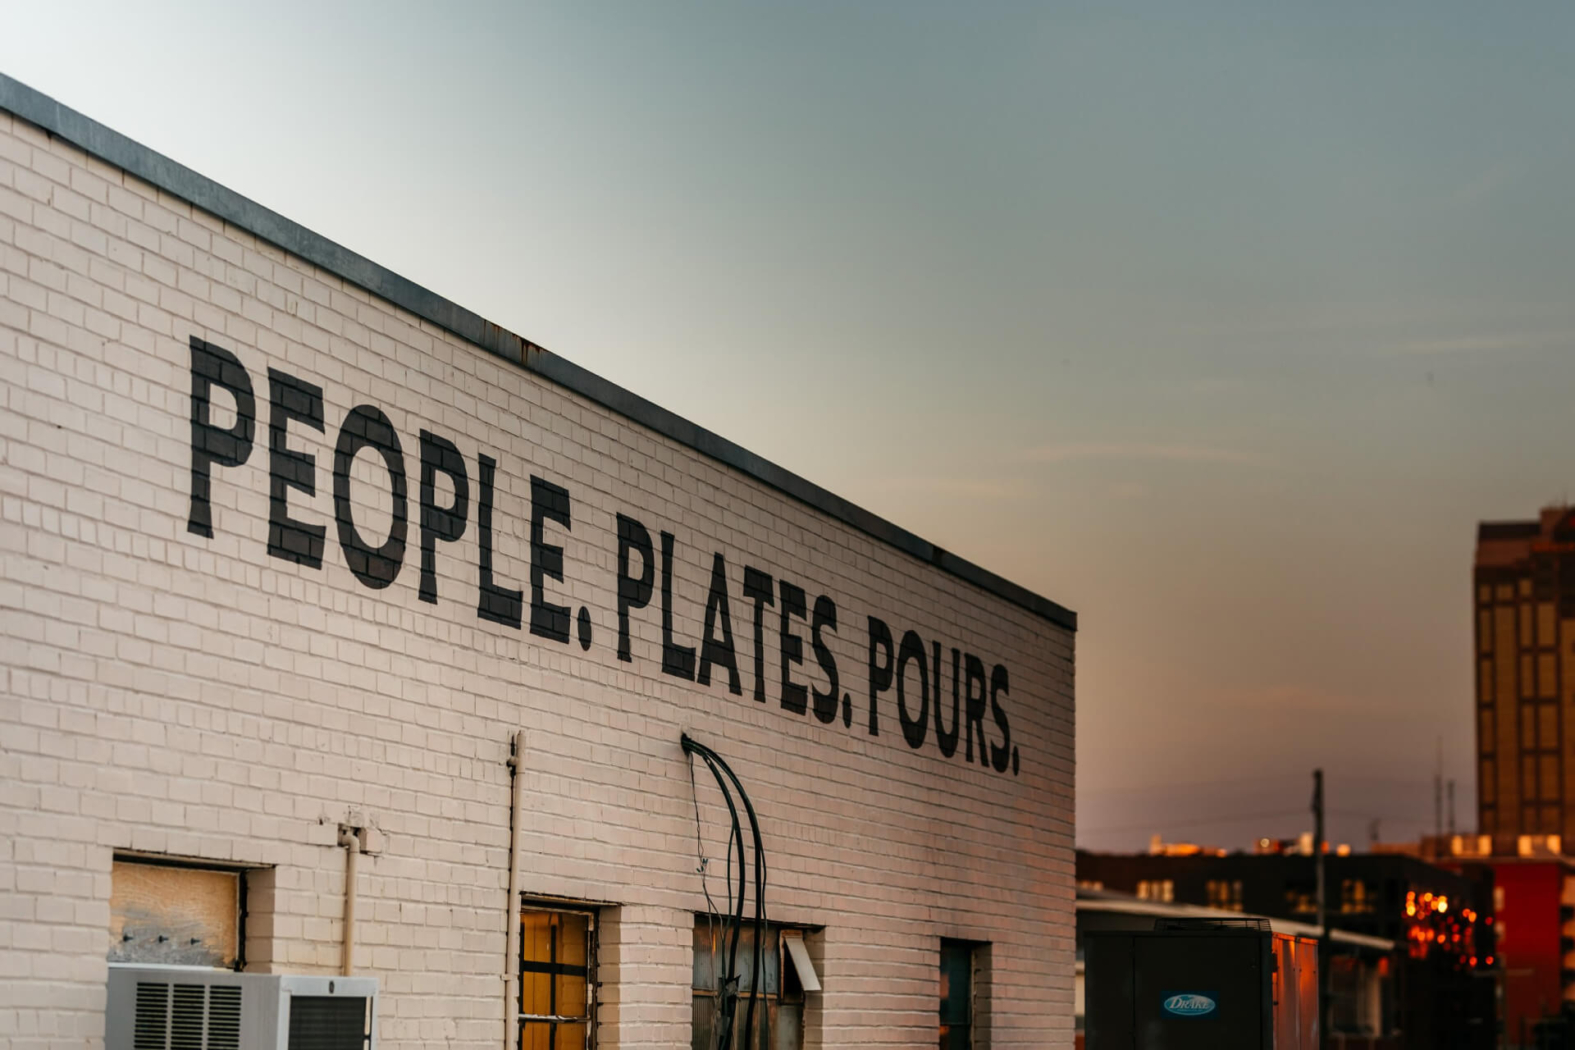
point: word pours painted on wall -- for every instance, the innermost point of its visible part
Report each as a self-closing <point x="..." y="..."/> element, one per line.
<point x="979" y="727"/>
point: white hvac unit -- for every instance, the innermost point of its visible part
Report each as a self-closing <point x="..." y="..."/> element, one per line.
<point x="180" y="1008"/>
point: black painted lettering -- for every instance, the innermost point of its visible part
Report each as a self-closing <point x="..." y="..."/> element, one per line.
<point x="948" y="739"/>
<point x="759" y="588"/>
<point x="795" y="697"/>
<point x="825" y="619"/>
<point x="439" y="523"/>
<point x="714" y="650"/>
<point x="210" y="366"/>
<point x="1000" y="754"/>
<point x="548" y="502"/>
<point x="633" y="593"/>
<point x="496" y="603"/>
<point x="677" y="660"/>
<point x="911" y="651"/>
<point x="366" y="427"/>
<point x="292" y="399"/>
<point x="973" y="712"/>
<point x="880" y="673"/>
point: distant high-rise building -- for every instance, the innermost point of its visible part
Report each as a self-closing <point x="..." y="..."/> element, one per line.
<point x="1525" y="639"/>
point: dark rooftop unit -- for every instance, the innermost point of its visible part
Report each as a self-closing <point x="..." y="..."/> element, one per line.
<point x="1200" y="985"/>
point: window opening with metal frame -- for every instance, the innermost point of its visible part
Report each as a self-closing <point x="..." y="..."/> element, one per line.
<point x="557" y="977"/>
<point x="779" y="995"/>
<point x="956" y="994"/>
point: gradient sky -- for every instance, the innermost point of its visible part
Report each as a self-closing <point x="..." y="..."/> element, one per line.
<point x="1222" y="324"/>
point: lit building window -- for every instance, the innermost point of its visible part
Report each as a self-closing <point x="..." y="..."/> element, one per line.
<point x="1355" y="897"/>
<point x="1224" y="894"/>
<point x="1156" y="890"/>
<point x="557" y="965"/>
<point x="1301" y="900"/>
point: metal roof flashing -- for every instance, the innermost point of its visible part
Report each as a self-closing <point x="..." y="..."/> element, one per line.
<point x="158" y="170"/>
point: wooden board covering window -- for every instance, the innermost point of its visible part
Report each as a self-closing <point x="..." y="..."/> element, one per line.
<point x="173" y="916"/>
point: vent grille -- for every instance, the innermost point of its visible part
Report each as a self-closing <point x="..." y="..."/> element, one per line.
<point x="224" y="1017"/>
<point x="150" y="1030"/>
<point x="324" y="1022"/>
<point x="187" y="1017"/>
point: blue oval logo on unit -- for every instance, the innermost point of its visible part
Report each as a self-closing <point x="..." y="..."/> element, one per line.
<point x="1189" y="1004"/>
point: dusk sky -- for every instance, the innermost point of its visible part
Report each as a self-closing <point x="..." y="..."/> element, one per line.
<point x="1221" y="325"/>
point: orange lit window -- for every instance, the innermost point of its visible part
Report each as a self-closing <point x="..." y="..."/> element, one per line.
<point x="557" y="960"/>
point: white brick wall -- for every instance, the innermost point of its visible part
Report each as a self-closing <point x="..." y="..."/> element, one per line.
<point x="165" y="692"/>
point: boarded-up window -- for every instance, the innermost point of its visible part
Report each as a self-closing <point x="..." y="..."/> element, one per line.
<point x="777" y="991"/>
<point x="182" y="916"/>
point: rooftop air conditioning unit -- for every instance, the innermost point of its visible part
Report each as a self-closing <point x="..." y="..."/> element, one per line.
<point x="180" y="1008"/>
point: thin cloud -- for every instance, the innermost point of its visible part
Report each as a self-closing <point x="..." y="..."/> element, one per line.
<point x="973" y="488"/>
<point x="1077" y="451"/>
<point x="1479" y="344"/>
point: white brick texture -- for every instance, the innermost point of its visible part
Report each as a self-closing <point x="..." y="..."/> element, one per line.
<point x="167" y="692"/>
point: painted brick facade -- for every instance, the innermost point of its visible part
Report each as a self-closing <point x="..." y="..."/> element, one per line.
<point x="169" y="693"/>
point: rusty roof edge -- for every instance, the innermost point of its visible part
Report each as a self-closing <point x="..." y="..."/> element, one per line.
<point x="158" y="170"/>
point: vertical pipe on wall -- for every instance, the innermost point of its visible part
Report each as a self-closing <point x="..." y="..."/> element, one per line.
<point x="352" y="847"/>
<point x="511" y="913"/>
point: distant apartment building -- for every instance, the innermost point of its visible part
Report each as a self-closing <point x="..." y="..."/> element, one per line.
<point x="1533" y="928"/>
<point x="1440" y="995"/>
<point x="1524" y="592"/>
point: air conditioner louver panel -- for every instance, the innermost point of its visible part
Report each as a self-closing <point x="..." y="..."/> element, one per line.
<point x="224" y="1017"/>
<point x="151" y="1025"/>
<point x="321" y="1022"/>
<point x="186" y="1017"/>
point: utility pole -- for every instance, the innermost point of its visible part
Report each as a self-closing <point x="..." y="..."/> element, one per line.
<point x="1323" y="911"/>
<point x="1438" y="802"/>
<point x="1451" y="808"/>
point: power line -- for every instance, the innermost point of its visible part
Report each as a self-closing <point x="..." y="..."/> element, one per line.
<point x="1337" y="777"/>
<point x="1155" y="788"/>
<point x="1195" y="823"/>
